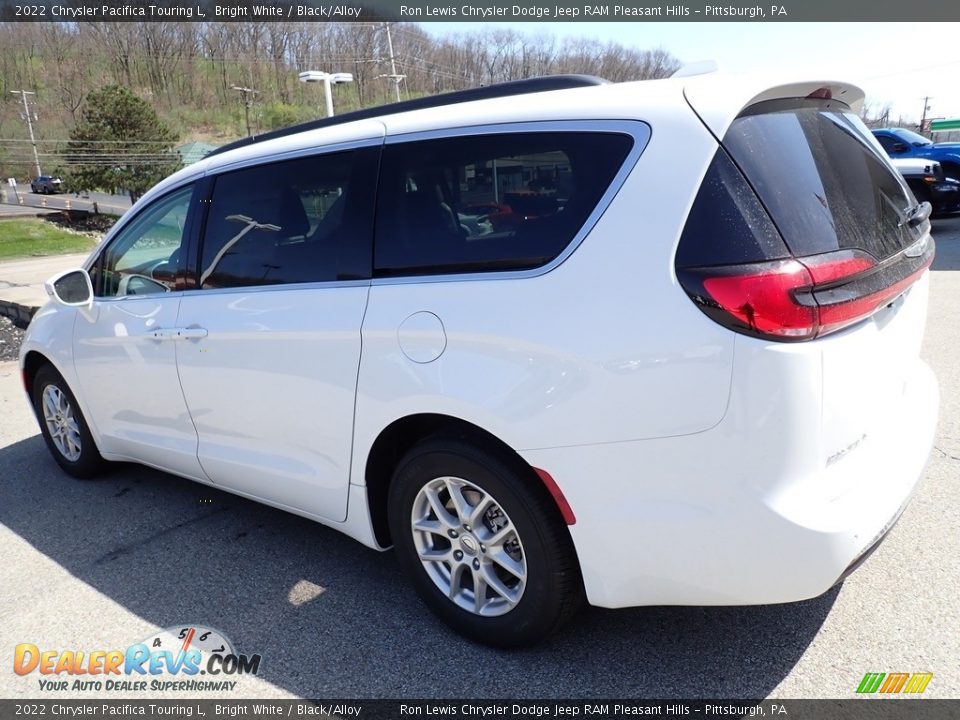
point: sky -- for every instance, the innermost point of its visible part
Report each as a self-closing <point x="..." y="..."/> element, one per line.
<point x="895" y="63"/>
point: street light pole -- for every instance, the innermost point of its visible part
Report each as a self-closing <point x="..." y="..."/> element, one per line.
<point x="328" y="80"/>
<point x="26" y="114"/>
<point x="328" y="94"/>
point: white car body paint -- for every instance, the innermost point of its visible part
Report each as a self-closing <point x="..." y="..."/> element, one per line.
<point x="699" y="463"/>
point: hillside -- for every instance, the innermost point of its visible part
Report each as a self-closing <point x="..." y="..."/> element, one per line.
<point x="188" y="71"/>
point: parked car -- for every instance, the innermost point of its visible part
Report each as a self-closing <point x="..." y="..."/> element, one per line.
<point x="695" y="380"/>
<point x="929" y="184"/>
<point x="903" y="143"/>
<point x="46" y="184"/>
<point x="500" y="216"/>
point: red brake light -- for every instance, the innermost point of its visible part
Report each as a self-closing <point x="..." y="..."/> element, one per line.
<point x="763" y="300"/>
<point x="798" y="299"/>
<point x="839" y="315"/>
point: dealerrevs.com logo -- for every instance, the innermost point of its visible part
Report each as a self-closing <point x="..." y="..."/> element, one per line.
<point x="173" y="659"/>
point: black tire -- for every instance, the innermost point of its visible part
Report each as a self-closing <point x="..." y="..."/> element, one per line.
<point x="951" y="170"/>
<point x="89" y="463"/>
<point x="553" y="590"/>
<point x="923" y="195"/>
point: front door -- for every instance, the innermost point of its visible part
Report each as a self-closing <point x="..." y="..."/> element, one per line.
<point x="124" y="346"/>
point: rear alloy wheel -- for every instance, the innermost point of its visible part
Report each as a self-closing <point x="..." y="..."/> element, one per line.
<point x="469" y="546"/>
<point x="63" y="427"/>
<point x="483" y="543"/>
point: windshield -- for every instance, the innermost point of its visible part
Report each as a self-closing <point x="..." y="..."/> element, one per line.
<point x="911" y="137"/>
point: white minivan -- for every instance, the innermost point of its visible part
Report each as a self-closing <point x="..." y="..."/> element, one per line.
<point x="556" y="340"/>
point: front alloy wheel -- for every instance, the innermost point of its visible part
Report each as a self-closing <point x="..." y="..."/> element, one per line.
<point x="61" y="423"/>
<point x="482" y="541"/>
<point x="63" y="426"/>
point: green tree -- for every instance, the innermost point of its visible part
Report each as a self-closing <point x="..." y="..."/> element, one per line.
<point x="119" y="142"/>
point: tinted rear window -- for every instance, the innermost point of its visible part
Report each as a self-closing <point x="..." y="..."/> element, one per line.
<point x="489" y="202"/>
<point x="295" y="221"/>
<point x="727" y="224"/>
<point x="822" y="181"/>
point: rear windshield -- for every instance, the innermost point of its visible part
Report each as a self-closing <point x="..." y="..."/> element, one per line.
<point x="820" y="178"/>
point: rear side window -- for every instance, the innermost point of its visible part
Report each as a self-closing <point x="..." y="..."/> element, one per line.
<point x="490" y="202"/>
<point x="302" y="220"/>
<point x="825" y="185"/>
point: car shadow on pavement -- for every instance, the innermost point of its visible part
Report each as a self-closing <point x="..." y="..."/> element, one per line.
<point x="334" y="619"/>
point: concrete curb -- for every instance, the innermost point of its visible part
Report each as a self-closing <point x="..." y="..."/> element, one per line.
<point x="20" y="315"/>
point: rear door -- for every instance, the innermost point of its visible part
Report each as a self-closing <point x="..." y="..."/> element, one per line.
<point x="282" y="286"/>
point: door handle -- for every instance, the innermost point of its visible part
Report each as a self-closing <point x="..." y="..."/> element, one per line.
<point x="192" y="333"/>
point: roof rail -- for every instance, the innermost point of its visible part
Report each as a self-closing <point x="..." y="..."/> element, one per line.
<point x="515" y="87"/>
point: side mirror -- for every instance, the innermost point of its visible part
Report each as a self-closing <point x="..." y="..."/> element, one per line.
<point x="71" y="288"/>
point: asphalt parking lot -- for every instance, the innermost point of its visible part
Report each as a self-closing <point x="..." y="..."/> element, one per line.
<point x="103" y="564"/>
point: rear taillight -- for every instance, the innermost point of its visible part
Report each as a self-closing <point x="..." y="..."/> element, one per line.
<point x="803" y="298"/>
<point x="760" y="296"/>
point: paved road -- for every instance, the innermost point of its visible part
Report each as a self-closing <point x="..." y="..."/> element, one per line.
<point x="21" y="281"/>
<point x="106" y="203"/>
<point x="100" y="564"/>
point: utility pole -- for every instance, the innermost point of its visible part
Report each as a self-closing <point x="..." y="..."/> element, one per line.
<point x="923" y="117"/>
<point x="246" y="93"/>
<point x="26" y="114"/>
<point x="393" y="65"/>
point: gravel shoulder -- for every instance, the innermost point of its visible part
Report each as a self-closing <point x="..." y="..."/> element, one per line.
<point x="10" y="338"/>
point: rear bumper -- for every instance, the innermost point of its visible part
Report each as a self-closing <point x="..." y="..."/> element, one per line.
<point x="706" y="520"/>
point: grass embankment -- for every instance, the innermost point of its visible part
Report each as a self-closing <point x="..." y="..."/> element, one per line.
<point x="31" y="237"/>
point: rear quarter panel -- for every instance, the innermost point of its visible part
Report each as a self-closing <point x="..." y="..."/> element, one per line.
<point x="606" y="347"/>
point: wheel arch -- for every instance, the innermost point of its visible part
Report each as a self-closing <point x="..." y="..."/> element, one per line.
<point x="30" y="366"/>
<point x="32" y="362"/>
<point x="397" y="438"/>
<point x="951" y="163"/>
